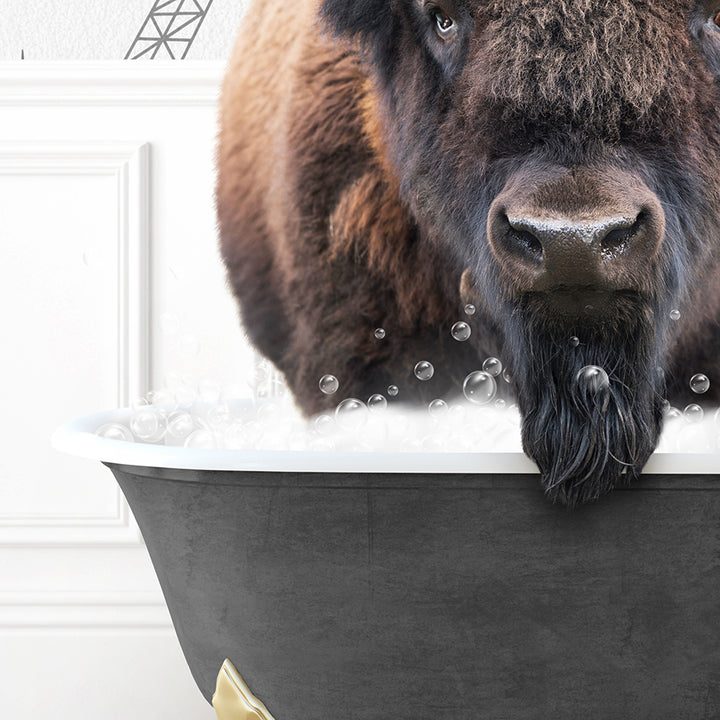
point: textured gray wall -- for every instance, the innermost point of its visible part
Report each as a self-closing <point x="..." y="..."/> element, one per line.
<point x="101" y="30"/>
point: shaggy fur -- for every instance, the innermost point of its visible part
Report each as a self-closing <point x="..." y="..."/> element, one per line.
<point x="360" y="155"/>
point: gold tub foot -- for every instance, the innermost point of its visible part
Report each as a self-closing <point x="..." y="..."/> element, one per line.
<point x="233" y="700"/>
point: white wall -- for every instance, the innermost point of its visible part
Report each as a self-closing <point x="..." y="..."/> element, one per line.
<point x="110" y="283"/>
<point x="92" y="30"/>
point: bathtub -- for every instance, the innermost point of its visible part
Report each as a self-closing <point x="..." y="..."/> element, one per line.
<point x="358" y="586"/>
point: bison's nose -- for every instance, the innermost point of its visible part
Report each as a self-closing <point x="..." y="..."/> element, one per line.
<point x="606" y="245"/>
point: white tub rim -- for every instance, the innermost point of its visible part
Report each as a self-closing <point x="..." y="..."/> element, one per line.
<point x="77" y="437"/>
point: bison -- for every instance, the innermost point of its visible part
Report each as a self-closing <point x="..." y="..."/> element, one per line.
<point x="381" y="163"/>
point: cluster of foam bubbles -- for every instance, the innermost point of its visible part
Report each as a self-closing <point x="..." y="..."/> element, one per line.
<point x="207" y="420"/>
<point x="354" y="425"/>
<point x="203" y="417"/>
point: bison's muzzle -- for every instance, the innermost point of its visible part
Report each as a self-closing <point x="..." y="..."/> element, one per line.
<point x="554" y="228"/>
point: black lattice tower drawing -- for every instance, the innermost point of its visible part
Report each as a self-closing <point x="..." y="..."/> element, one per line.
<point x="169" y="29"/>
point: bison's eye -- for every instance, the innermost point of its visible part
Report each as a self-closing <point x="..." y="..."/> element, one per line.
<point x="445" y="24"/>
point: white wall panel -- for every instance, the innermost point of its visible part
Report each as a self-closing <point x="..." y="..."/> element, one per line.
<point x="110" y="285"/>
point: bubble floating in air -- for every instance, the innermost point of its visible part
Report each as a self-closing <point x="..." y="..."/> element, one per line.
<point x="379" y="333"/>
<point x="574" y="341"/>
<point x="424" y="370"/>
<point x="470" y="309"/>
<point x="699" y="383"/>
<point x="461" y="331"/>
<point x="328" y="384"/>
<point x="674" y="314"/>
<point x="377" y="402"/>
<point x="506" y="376"/>
<point x="393" y="390"/>
<point x="493" y="366"/>
<point x="479" y="387"/>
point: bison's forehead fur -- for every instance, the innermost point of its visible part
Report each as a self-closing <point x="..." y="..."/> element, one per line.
<point x="587" y="62"/>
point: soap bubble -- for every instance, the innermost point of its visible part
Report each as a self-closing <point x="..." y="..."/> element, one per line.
<point x="351" y="414"/>
<point x="438" y="408"/>
<point x="457" y="414"/>
<point x="469" y="309"/>
<point x="500" y="404"/>
<point x="234" y="436"/>
<point x="324" y="425"/>
<point x="574" y="341"/>
<point x="461" y="331"/>
<point x="114" y="431"/>
<point x="180" y="425"/>
<point x="259" y="376"/>
<point x="693" y="413"/>
<point x="506" y="376"/>
<point x="592" y="379"/>
<point x="492" y="366"/>
<point x="479" y="387"/>
<point x="165" y="398"/>
<point x="138" y="402"/>
<point x="200" y="440"/>
<point x="672" y="413"/>
<point x="424" y="370"/>
<point x="376" y="402"/>
<point x="329" y="384"/>
<point x="254" y="432"/>
<point x="267" y="414"/>
<point x="674" y="314"/>
<point x="147" y="424"/>
<point x="218" y="416"/>
<point x="393" y="390"/>
<point x="699" y="383"/>
<point x="379" y="333"/>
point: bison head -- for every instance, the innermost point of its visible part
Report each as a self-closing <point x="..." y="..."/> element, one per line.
<point x="566" y="155"/>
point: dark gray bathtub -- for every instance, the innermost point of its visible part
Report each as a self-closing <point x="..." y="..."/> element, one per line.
<point x="342" y="595"/>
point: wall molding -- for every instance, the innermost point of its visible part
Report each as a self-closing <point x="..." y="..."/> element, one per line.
<point x="128" y="164"/>
<point x="97" y="610"/>
<point x="113" y="82"/>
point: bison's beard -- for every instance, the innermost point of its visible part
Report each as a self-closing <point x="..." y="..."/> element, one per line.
<point x="586" y="442"/>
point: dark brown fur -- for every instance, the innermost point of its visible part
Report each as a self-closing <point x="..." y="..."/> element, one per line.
<point x="358" y="159"/>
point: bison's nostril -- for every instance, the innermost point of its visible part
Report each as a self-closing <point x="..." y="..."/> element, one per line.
<point x="616" y="240"/>
<point x="526" y="242"/>
<point x="619" y="238"/>
<point x="519" y="241"/>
